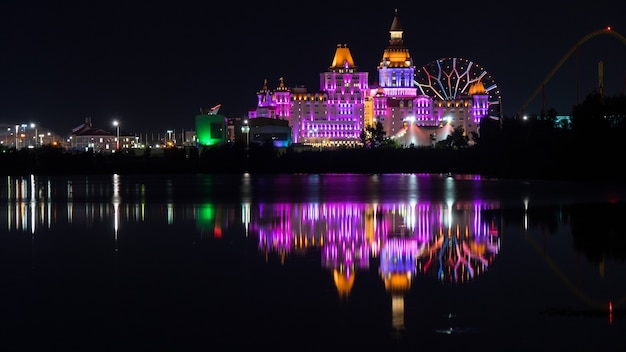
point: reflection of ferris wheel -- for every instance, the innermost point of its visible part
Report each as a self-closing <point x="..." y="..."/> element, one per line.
<point x="451" y="78"/>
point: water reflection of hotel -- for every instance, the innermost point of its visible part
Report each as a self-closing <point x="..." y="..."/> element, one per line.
<point x="453" y="244"/>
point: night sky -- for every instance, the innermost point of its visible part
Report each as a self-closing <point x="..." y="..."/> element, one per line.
<point x="153" y="65"/>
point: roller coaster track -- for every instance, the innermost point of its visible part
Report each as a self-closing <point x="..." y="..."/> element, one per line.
<point x="565" y="57"/>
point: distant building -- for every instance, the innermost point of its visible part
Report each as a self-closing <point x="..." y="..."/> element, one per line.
<point x="211" y="129"/>
<point x="262" y="130"/>
<point x="23" y="135"/>
<point x="189" y="139"/>
<point x="86" y="137"/>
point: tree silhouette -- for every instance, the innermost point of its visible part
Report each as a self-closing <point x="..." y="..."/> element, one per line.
<point x="374" y="137"/>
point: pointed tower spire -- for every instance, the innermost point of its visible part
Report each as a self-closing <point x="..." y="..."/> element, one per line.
<point x="281" y="85"/>
<point x="395" y="32"/>
<point x="396" y="55"/>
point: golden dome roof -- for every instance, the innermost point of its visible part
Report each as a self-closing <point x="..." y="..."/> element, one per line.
<point x="477" y="88"/>
<point x="397" y="57"/>
<point x="342" y="58"/>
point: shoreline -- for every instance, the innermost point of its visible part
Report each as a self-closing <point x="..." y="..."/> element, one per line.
<point x="503" y="164"/>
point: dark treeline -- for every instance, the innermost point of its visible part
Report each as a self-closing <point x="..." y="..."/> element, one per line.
<point x="588" y="148"/>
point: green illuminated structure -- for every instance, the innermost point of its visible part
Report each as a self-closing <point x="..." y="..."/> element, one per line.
<point x="211" y="129"/>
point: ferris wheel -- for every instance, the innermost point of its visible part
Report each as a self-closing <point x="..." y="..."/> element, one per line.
<point x="451" y="78"/>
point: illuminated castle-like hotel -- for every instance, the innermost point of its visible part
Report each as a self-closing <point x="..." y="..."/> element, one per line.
<point x="414" y="114"/>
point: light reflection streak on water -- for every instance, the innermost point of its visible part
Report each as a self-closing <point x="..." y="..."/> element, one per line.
<point x="70" y="201"/>
<point x="9" y="186"/>
<point x="21" y="203"/>
<point x="31" y="203"/>
<point x="246" y="191"/>
<point x="170" y="204"/>
<point x="413" y="189"/>
<point x="33" y="188"/>
<point x="246" y="217"/>
<point x="116" y="207"/>
<point x="49" y="203"/>
<point x="142" y="203"/>
<point x="526" y="214"/>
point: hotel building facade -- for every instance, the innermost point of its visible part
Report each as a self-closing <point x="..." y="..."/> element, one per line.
<point x="346" y="103"/>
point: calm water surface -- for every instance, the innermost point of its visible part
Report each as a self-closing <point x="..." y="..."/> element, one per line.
<point x="309" y="262"/>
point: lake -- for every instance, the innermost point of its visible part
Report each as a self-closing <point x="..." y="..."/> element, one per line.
<point x="311" y="261"/>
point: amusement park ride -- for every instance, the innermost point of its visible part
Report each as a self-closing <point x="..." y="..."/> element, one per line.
<point x="575" y="48"/>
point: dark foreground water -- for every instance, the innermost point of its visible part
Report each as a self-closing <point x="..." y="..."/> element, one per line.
<point x="310" y="262"/>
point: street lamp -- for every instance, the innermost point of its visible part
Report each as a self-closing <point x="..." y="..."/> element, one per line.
<point x="246" y="129"/>
<point x="117" y="134"/>
<point x="33" y="125"/>
<point x="169" y="142"/>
